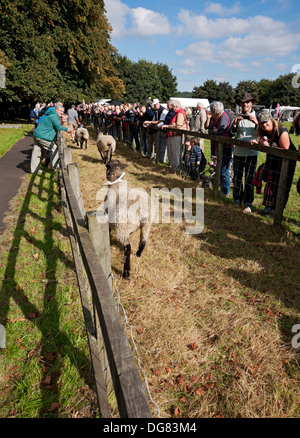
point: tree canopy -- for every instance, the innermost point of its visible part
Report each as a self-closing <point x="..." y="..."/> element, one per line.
<point x="144" y="79"/>
<point x="57" y="50"/>
<point x="267" y="92"/>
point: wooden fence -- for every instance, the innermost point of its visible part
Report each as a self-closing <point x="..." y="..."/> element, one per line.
<point x="286" y="156"/>
<point x="117" y="381"/>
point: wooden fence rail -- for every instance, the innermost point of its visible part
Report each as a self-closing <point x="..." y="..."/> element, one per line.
<point x="116" y="376"/>
<point x="286" y="156"/>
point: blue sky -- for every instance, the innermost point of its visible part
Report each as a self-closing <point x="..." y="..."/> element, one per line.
<point x="199" y="40"/>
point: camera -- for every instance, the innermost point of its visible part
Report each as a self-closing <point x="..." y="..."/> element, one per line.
<point x="246" y="116"/>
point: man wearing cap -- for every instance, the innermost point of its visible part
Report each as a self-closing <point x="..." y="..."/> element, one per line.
<point x="156" y="143"/>
<point x="244" y="160"/>
<point x="199" y="122"/>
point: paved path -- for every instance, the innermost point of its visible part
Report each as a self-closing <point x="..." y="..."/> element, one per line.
<point x="13" y="166"/>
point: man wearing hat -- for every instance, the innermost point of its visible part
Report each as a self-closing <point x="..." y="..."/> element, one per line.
<point x="154" y="146"/>
<point x="244" y="160"/>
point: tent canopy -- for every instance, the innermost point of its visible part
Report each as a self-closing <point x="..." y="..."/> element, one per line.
<point x="191" y="102"/>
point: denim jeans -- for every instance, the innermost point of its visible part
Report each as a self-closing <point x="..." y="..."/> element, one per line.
<point x="244" y="192"/>
<point x="225" y="170"/>
<point x="37" y="153"/>
<point x="162" y="148"/>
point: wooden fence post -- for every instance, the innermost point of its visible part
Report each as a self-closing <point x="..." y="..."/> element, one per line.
<point x="99" y="233"/>
<point x="281" y="192"/>
<point x="67" y="153"/>
<point x="121" y="132"/>
<point x="158" y="146"/>
<point x="216" y="182"/>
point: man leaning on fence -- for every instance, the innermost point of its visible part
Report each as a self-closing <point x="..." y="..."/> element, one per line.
<point x="244" y="160"/>
<point x="44" y="137"/>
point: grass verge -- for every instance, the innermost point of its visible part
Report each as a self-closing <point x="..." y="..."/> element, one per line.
<point x="9" y="136"/>
<point x="44" y="369"/>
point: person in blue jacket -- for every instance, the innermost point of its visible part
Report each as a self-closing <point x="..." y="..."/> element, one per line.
<point x="44" y="137"/>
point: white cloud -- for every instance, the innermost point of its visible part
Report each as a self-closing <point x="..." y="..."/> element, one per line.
<point x="199" y="50"/>
<point x="219" y="9"/>
<point x="202" y="27"/>
<point x="188" y="72"/>
<point x="147" y="23"/>
<point x="136" y="22"/>
<point x="282" y="67"/>
<point x="116" y="15"/>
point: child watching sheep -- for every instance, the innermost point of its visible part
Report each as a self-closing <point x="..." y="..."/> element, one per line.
<point x="196" y="158"/>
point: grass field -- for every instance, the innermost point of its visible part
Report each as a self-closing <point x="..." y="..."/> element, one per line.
<point x="211" y="314"/>
<point x="44" y="369"/>
<point x="9" y="136"/>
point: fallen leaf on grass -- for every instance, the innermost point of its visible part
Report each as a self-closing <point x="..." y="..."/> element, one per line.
<point x="32" y="315"/>
<point x="47" y="381"/>
<point x="180" y="379"/>
<point x="54" y="406"/>
<point x="177" y="412"/>
<point x="200" y="391"/>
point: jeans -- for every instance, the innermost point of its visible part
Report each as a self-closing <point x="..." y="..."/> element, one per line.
<point x="240" y="165"/>
<point x="37" y="153"/>
<point x="225" y="170"/>
<point x="162" y="148"/>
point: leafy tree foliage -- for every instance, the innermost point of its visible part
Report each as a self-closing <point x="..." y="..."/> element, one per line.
<point x="267" y="92"/>
<point x="144" y="79"/>
<point x="57" y="50"/>
<point x="210" y="90"/>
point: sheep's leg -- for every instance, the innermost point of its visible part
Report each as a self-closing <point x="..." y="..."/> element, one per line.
<point x="141" y="248"/>
<point x="127" y="252"/>
<point x="102" y="156"/>
<point x="86" y="144"/>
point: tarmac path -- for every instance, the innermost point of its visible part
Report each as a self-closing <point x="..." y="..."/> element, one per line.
<point x="13" y="166"/>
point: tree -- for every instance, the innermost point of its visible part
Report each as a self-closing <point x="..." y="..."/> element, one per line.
<point x="144" y="79"/>
<point x="265" y="87"/>
<point x="250" y="87"/>
<point x="57" y="50"/>
<point x="210" y="90"/>
<point x="168" y="82"/>
<point x="284" y="92"/>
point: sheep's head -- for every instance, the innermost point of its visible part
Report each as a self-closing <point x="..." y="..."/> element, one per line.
<point x="114" y="170"/>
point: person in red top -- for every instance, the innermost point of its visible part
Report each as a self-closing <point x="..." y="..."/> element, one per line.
<point x="174" y="139"/>
<point x="218" y="123"/>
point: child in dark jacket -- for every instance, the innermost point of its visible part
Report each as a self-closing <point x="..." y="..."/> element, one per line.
<point x="197" y="158"/>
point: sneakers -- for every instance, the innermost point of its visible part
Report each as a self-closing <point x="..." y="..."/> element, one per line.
<point x="268" y="211"/>
<point x="247" y="210"/>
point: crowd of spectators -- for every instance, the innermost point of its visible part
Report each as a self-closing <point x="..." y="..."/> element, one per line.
<point x="146" y="128"/>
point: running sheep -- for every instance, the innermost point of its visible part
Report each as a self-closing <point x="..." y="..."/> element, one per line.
<point x="81" y="136"/>
<point x="106" y="145"/>
<point x="128" y="209"/>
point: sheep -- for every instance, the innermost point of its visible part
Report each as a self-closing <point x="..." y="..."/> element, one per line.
<point x="128" y="209"/>
<point x="81" y="136"/>
<point x="106" y="145"/>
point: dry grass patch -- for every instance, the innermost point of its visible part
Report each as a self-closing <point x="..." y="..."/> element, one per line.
<point x="211" y="314"/>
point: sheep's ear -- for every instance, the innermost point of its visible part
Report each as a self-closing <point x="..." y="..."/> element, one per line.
<point x="123" y="166"/>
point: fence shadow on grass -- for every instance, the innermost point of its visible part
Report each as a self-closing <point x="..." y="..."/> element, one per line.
<point x="55" y="344"/>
